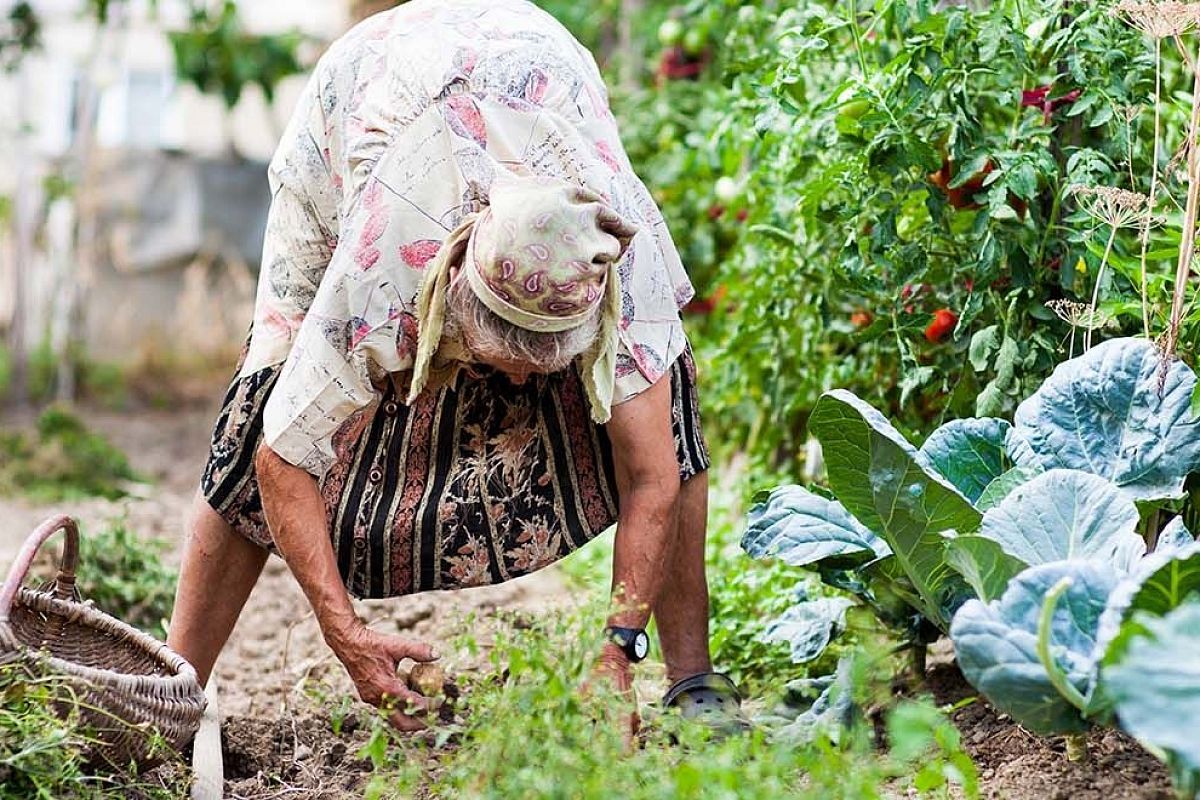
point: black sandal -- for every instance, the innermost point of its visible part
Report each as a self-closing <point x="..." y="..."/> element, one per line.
<point x="711" y="699"/>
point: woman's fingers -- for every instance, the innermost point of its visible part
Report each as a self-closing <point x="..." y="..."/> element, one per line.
<point x="405" y="723"/>
<point x="408" y="705"/>
<point x="406" y="699"/>
<point x="400" y="648"/>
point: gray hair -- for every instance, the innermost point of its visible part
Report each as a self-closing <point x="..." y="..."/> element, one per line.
<point x="492" y="336"/>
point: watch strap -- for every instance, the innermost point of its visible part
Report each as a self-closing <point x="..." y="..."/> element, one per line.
<point x="626" y="639"/>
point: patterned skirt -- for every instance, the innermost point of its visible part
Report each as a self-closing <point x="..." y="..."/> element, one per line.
<point x="473" y="484"/>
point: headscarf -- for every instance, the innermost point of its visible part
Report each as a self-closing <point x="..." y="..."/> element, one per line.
<point x="542" y="256"/>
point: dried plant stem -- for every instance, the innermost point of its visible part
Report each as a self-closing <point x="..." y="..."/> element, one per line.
<point x="1112" y="237"/>
<point x="1187" y="244"/>
<point x="1183" y="51"/>
<point x="1153" y="184"/>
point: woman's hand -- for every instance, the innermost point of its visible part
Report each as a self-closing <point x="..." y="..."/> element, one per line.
<point x="613" y="667"/>
<point x="295" y="511"/>
<point x="371" y="659"/>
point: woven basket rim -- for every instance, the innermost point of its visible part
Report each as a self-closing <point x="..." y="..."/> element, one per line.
<point x="182" y="680"/>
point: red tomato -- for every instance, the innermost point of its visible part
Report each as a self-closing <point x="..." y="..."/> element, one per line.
<point x="944" y="321"/>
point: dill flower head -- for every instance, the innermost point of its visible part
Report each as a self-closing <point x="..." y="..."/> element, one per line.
<point x="1079" y="315"/>
<point x="1159" y="19"/>
<point x="1119" y="208"/>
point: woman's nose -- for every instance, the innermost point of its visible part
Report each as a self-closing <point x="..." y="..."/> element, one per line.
<point x="518" y="378"/>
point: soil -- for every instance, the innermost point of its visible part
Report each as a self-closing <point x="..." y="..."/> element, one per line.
<point x="292" y="757"/>
<point x="279" y="684"/>
<point x="1017" y="765"/>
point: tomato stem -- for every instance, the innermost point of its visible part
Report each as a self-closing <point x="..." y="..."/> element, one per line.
<point x="862" y="59"/>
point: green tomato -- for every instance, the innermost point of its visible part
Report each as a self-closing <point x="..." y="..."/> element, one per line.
<point x="694" y="41"/>
<point x="670" y="32"/>
<point x="854" y="109"/>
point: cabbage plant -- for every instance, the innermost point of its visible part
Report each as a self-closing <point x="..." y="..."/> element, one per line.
<point x="1161" y="712"/>
<point x="916" y="532"/>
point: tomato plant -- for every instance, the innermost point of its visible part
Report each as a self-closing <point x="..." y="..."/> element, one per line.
<point x="875" y="146"/>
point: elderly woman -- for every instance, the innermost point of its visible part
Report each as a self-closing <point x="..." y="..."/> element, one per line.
<point x="466" y="359"/>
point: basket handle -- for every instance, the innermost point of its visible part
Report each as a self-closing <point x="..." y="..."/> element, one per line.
<point x="64" y="584"/>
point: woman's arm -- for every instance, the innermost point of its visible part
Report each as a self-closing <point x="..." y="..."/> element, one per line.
<point x="648" y="480"/>
<point x="295" y="512"/>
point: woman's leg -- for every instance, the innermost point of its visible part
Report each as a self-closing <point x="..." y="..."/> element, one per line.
<point x="219" y="570"/>
<point x="681" y="611"/>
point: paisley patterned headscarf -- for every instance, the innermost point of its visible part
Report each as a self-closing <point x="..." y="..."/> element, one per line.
<point x="542" y="256"/>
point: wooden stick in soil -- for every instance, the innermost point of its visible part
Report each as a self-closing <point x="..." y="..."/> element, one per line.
<point x="207" y="764"/>
<point x="1188" y="242"/>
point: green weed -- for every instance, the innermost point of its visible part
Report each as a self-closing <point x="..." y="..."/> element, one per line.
<point x="529" y="732"/>
<point x="61" y="459"/>
<point x="42" y="753"/>
<point x="123" y="574"/>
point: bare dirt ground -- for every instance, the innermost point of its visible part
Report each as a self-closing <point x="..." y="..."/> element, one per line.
<point x="1017" y="765"/>
<point x="281" y="689"/>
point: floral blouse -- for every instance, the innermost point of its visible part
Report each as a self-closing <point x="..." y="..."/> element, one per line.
<point x="401" y="130"/>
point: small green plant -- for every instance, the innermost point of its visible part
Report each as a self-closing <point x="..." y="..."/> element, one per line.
<point x="920" y="735"/>
<point x="61" y="459"/>
<point x="42" y="753"/>
<point x="123" y="574"/>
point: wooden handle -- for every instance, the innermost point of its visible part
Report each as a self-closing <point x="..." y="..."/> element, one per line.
<point x="64" y="584"/>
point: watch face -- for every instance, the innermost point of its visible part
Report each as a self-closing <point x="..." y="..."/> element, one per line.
<point x="641" y="645"/>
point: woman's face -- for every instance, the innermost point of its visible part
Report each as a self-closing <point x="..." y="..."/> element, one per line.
<point x="517" y="371"/>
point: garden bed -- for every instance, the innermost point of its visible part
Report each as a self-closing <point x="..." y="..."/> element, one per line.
<point x="1017" y="765"/>
<point x="283" y="695"/>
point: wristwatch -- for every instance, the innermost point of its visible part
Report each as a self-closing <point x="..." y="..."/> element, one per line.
<point x="633" y="641"/>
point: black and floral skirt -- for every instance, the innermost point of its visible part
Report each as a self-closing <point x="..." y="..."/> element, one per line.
<point x="471" y="485"/>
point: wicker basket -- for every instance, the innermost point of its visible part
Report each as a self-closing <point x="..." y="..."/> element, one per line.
<point x="132" y="692"/>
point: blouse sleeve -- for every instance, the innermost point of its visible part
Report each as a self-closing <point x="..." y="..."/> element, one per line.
<point x="302" y="233"/>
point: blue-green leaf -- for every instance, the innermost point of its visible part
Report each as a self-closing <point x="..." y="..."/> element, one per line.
<point x="894" y="491"/>
<point x="1103" y="413"/>
<point x="809" y="626"/>
<point x="969" y="453"/>
<point x="822" y="706"/>
<point x="802" y="528"/>
<point x="1155" y="688"/>
<point x="983" y="564"/>
<point x="996" y="643"/>
<point x="1175" y="536"/>
<point x="1000" y="488"/>
<point x="1066" y="514"/>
